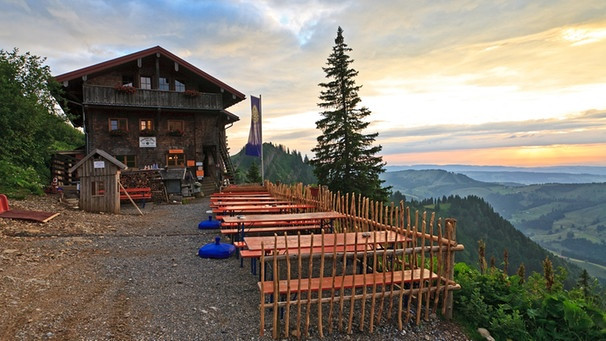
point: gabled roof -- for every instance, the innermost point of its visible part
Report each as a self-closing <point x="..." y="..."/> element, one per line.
<point x="144" y="53"/>
<point x="230" y="117"/>
<point x="101" y="153"/>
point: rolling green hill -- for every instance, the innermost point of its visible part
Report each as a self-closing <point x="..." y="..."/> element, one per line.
<point x="280" y="164"/>
<point x="433" y="183"/>
<point x="568" y="219"/>
<point x="476" y="220"/>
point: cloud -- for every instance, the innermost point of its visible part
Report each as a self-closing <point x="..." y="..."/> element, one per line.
<point x="452" y="74"/>
<point x="588" y="127"/>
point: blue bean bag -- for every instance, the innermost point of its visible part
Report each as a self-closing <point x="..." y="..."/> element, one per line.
<point x="216" y="250"/>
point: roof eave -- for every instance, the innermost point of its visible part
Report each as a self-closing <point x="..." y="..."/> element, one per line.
<point x="143" y="53"/>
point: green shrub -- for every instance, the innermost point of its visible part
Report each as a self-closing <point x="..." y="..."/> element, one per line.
<point x="512" y="310"/>
<point x="17" y="182"/>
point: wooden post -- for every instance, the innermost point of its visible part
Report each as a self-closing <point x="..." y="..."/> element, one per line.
<point x="309" y="276"/>
<point x="299" y="269"/>
<point x="342" y="290"/>
<point x="129" y="198"/>
<point x="431" y="269"/>
<point x="450" y="226"/>
<point x="364" y="265"/>
<point x="352" y="301"/>
<point x="262" y="305"/>
<point x="440" y="266"/>
<point x="374" y="284"/>
<point x="422" y="268"/>
<point x="334" y="276"/>
<point x="276" y="273"/>
<point x="287" y="318"/>
<point x="320" y="331"/>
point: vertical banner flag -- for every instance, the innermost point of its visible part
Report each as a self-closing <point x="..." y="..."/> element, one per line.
<point x="253" y="147"/>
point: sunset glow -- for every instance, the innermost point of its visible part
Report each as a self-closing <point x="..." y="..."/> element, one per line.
<point x="531" y="156"/>
<point x="483" y="83"/>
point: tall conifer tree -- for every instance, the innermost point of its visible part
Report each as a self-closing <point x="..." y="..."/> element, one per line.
<point x="345" y="158"/>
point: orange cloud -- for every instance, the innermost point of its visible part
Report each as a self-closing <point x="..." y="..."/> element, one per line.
<point x="525" y="156"/>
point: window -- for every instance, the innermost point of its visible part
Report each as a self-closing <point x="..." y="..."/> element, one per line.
<point x="97" y="188"/>
<point x="175" y="126"/>
<point x="179" y="86"/>
<point x="146" y="124"/>
<point x="164" y="85"/>
<point x="128" y="160"/>
<point x="118" y="124"/>
<point x="127" y="80"/>
<point x="175" y="158"/>
<point x="145" y="82"/>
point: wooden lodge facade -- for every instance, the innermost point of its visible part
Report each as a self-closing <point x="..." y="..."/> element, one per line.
<point x="153" y="110"/>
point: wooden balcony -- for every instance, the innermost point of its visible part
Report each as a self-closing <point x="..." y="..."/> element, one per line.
<point x="106" y="95"/>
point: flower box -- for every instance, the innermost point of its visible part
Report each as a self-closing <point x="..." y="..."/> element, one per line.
<point x="147" y="132"/>
<point x="125" y="89"/>
<point x="191" y="93"/>
<point x="175" y="133"/>
<point x="118" y="132"/>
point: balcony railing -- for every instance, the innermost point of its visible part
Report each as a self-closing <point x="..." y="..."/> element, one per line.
<point x="106" y="95"/>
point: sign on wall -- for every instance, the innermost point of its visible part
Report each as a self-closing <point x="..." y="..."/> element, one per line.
<point x="147" y="142"/>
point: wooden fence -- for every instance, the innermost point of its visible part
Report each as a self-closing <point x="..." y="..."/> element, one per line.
<point x="366" y="286"/>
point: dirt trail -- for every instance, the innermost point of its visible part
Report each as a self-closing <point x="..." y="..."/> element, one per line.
<point x="85" y="276"/>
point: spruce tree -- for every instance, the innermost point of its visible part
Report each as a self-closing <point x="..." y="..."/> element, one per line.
<point x="254" y="174"/>
<point x="345" y="158"/>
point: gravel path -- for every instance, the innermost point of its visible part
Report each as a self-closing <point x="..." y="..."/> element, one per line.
<point x="85" y="276"/>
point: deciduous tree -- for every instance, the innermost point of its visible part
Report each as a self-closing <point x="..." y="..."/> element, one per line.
<point x="30" y="127"/>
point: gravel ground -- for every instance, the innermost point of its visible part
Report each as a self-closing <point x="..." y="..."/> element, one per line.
<point x="85" y="276"/>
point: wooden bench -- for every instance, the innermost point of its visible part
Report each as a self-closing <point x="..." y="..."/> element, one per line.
<point x="256" y="254"/>
<point x="271" y="224"/>
<point x="142" y="193"/>
<point x="347" y="282"/>
<point x="294" y="293"/>
<point x="270" y="229"/>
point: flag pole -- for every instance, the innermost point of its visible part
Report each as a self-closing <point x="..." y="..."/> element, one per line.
<point x="261" y="134"/>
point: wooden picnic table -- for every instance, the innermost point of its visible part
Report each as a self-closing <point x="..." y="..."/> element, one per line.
<point x="312" y="244"/>
<point x="309" y="218"/>
<point x="251" y="219"/>
<point x="266" y="208"/>
<point x="330" y="240"/>
<point x="251" y="203"/>
<point x="244" y="198"/>
<point x="240" y="194"/>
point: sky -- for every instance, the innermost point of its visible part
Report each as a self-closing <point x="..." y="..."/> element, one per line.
<point x="495" y="82"/>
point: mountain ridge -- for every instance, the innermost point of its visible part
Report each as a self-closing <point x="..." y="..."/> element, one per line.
<point x="567" y="219"/>
<point x="281" y="164"/>
<point x="520" y="175"/>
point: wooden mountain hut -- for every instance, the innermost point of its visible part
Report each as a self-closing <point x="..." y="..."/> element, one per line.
<point x="151" y="109"/>
<point x="99" y="175"/>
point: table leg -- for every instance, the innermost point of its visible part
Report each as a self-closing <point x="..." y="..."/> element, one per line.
<point x="242" y="232"/>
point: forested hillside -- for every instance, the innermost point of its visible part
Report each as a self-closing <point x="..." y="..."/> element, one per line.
<point x="569" y="219"/>
<point x="433" y="183"/>
<point x="477" y="220"/>
<point x="280" y="164"/>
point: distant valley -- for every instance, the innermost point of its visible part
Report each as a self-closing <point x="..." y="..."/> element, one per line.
<point x="519" y="175"/>
<point x="566" y="218"/>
